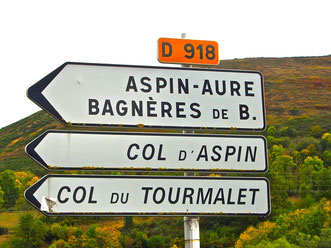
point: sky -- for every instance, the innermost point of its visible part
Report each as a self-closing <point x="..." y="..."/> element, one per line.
<point x="37" y="36"/>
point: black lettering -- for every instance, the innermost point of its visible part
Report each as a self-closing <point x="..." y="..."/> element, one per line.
<point x="250" y="152"/>
<point x="171" y="82"/>
<point x="188" y="194"/>
<point x="83" y="194"/>
<point x="159" y="156"/>
<point x="160" y="83"/>
<point x="60" y="192"/>
<point x="170" y="194"/>
<point x="197" y="111"/>
<point x="137" y="109"/>
<point x="93" y="108"/>
<point x="243" y="112"/>
<point x="179" y="110"/>
<point x="147" y="189"/>
<point x="182" y="87"/>
<point x="151" y="109"/>
<point x="129" y="151"/>
<point x="206" y="88"/>
<point x="247" y="88"/>
<point x="162" y="195"/>
<point x="218" y="155"/>
<point x="165" y="109"/>
<point x="91" y="196"/>
<point x="181" y="158"/>
<point x="229" y="198"/>
<point x="225" y="114"/>
<point x="218" y="89"/>
<point x="204" y="199"/>
<point x="144" y="81"/>
<point x="230" y="150"/>
<point x="148" y="157"/>
<point x="122" y="111"/>
<point x="240" y="196"/>
<point x="218" y="197"/>
<point x="203" y="153"/>
<point x="164" y="52"/>
<point x="253" y="196"/>
<point x="131" y="85"/>
<point x="239" y="153"/>
<point x="112" y="200"/>
<point x="235" y="87"/>
<point x="216" y="113"/>
<point x="107" y="108"/>
<point x="124" y="200"/>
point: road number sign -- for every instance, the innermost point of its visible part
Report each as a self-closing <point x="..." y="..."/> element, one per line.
<point x="133" y="195"/>
<point x="81" y="94"/>
<point x="81" y="150"/>
<point x="184" y="51"/>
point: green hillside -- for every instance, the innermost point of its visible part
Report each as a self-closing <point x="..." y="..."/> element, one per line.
<point x="297" y="95"/>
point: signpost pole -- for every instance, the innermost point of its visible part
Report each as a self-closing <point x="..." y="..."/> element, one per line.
<point x="191" y="224"/>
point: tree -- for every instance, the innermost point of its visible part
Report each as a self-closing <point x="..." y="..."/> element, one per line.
<point x="30" y="232"/>
<point x="9" y="187"/>
<point x="316" y="131"/>
<point x="2" y="201"/>
<point x="272" y="131"/>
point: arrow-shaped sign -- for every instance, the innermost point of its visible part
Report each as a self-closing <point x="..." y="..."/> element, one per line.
<point x="81" y="150"/>
<point x="83" y="94"/>
<point x="133" y="195"/>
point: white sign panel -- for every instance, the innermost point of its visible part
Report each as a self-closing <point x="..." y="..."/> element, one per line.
<point x="132" y="195"/>
<point x="149" y="151"/>
<point x="144" y="96"/>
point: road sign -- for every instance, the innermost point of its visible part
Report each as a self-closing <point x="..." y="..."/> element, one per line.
<point x="133" y="195"/>
<point x="184" y="51"/>
<point x="148" y="151"/>
<point x="81" y="94"/>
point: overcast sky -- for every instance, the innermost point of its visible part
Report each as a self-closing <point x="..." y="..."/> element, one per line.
<point x="38" y="36"/>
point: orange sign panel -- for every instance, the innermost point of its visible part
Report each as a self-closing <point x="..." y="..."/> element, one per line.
<point x="184" y="51"/>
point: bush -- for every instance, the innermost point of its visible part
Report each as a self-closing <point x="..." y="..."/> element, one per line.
<point x="155" y="241"/>
<point x="3" y="230"/>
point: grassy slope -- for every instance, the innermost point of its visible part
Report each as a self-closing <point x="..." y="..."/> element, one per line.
<point x="298" y="92"/>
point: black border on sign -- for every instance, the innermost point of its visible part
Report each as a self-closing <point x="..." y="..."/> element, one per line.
<point x="30" y="150"/>
<point x="28" y="194"/>
<point x="34" y="93"/>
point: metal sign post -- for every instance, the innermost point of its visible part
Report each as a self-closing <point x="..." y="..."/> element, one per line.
<point x="191" y="224"/>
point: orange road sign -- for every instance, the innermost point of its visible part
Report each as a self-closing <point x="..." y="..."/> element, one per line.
<point x="184" y="51"/>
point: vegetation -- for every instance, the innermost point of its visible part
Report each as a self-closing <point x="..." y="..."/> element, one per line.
<point x="299" y="151"/>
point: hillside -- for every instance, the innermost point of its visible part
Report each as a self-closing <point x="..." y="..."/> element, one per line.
<point x="293" y="86"/>
<point x="297" y="92"/>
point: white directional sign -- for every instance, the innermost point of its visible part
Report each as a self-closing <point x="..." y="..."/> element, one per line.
<point x="132" y="195"/>
<point x="149" y="151"/>
<point x="144" y="96"/>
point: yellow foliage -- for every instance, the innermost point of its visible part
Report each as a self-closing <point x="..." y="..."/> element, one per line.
<point x="326" y="136"/>
<point x="18" y="182"/>
<point x="32" y="181"/>
<point x="328" y="207"/>
<point x="111" y="231"/>
<point x="15" y="140"/>
<point x="214" y="175"/>
<point x="253" y="232"/>
<point x="31" y="134"/>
